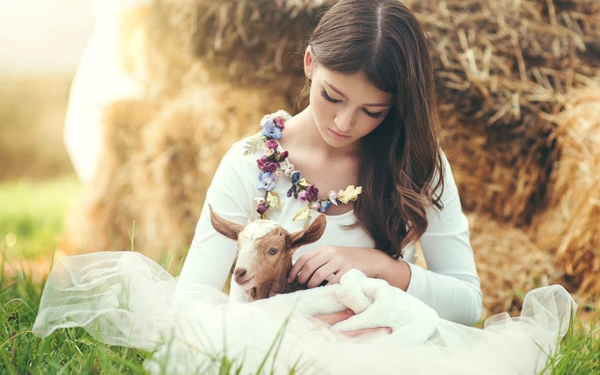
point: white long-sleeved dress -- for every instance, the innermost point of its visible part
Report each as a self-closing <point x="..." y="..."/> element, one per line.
<point x="124" y="298"/>
<point x="450" y="283"/>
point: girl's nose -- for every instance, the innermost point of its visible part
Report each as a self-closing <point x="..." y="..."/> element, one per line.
<point x="345" y="120"/>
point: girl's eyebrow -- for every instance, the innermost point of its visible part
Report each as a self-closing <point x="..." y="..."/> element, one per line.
<point x="345" y="97"/>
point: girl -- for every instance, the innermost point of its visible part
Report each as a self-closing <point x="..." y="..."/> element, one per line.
<point x="372" y="126"/>
<point x="365" y="152"/>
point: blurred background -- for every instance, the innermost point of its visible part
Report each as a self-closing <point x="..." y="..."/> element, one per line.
<point x="41" y="44"/>
<point x="161" y="89"/>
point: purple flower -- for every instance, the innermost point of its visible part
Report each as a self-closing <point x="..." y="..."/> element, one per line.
<point x="302" y="196"/>
<point x="267" y="165"/>
<point x="282" y="156"/>
<point x="266" y="181"/>
<point x="272" y="144"/>
<point x="295" y="177"/>
<point x="324" y="206"/>
<point x="262" y="208"/>
<point x="270" y="130"/>
<point x="279" y="122"/>
<point x="312" y="192"/>
<point x="293" y="190"/>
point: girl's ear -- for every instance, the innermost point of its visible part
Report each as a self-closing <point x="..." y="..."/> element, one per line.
<point x="308" y="62"/>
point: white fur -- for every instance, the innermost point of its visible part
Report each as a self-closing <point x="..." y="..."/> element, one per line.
<point x="247" y="256"/>
<point x="374" y="302"/>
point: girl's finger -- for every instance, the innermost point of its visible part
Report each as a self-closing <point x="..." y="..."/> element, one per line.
<point x="369" y="332"/>
<point x="299" y="265"/>
<point x="320" y="275"/>
<point x="311" y="266"/>
<point x="336" y="278"/>
<point x="335" y="317"/>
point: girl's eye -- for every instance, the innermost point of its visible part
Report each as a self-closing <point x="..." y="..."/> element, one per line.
<point x="373" y="115"/>
<point x="273" y="251"/>
<point x="329" y="98"/>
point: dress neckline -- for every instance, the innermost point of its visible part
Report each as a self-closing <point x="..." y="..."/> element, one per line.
<point x="274" y="163"/>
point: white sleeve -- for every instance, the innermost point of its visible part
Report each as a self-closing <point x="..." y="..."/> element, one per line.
<point x="450" y="285"/>
<point x="211" y="254"/>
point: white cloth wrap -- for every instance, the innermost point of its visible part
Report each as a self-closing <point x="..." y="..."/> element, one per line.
<point x="124" y="298"/>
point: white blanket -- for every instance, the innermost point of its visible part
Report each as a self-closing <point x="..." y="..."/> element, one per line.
<point x="374" y="302"/>
<point x="124" y="298"/>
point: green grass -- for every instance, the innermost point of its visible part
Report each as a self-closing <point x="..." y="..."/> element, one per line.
<point x="73" y="351"/>
<point x="34" y="214"/>
<point x="67" y="351"/>
<point x="579" y="350"/>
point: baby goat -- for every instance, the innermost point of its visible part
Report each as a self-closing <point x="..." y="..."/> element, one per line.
<point x="264" y="255"/>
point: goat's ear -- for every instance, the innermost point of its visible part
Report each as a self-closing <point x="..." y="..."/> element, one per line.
<point x="225" y="227"/>
<point x="310" y="234"/>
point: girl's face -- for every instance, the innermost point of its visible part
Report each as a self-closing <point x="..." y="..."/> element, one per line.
<point x="345" y="107"/>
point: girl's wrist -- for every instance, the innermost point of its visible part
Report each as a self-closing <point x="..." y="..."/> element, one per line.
<point x="395" y="271"/>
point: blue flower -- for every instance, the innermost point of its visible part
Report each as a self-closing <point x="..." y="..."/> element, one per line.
<point x="267" y="181"/>
<point x="295" y="177"/>
<point x="270" y="130"/>
<point x="324" y="206"/>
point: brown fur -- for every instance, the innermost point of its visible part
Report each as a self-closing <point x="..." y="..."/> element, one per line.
<point x="271" y="271"/>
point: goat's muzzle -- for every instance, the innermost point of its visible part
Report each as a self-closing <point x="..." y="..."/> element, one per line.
<point x="241" y="276"/>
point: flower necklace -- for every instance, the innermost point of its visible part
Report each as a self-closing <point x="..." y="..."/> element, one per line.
<point x="273" y="163"/>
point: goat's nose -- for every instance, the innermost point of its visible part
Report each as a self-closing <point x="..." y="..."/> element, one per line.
<point x="239" y="273"/>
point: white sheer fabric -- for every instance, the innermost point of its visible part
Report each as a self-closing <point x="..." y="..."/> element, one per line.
<point x="124" y="298"/>
<point x="100" y="79"/>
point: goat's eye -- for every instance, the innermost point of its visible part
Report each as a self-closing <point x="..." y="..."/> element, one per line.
<point x="273" y="251"/>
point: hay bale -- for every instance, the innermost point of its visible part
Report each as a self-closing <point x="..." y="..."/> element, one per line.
<point x="158" y="163"/>
<point x="509" y="264"/>
<point x="181" y="149"/>
<point x="505" y="65"/>
<point x="216" y="67"/>
<point x="103" y="215"/>
<point x="570" y="227"/>
<point x="248" y="43"/>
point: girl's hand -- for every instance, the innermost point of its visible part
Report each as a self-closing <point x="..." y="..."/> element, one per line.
<point x="315" y="266"/>
<point x="345" y="314"/>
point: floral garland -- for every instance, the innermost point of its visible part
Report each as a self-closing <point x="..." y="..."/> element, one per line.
<point x="273" y="163"/>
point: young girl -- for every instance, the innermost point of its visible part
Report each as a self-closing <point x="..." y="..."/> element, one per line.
<point x="365" y="152"/>
<point x="371" y="123"/>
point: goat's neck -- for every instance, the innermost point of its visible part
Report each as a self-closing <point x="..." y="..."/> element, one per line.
<point x="274" y="287"/>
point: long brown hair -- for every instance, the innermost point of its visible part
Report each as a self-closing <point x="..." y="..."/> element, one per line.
<point x="401" y="171"/>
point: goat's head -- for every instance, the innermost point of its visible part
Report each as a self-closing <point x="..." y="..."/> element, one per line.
<point x="265" y="252"/>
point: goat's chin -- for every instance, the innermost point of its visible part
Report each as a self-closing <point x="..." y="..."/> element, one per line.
<point x="246" y="284"/>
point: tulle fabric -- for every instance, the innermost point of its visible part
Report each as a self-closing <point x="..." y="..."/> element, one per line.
<point x="124" y="298"/>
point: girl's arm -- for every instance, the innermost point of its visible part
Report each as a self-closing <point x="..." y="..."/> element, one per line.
<point x="211" y="254"/>
<point x="450" y="283"/>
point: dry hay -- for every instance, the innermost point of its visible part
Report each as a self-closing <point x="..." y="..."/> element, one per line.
<point x="157" y="165"/>
<point x="250" y="43"/>
<point x="509" y="264"/>
<point x="216" y="67"/>
<point x="504" y="65"/>
<point x="102" y="217"/>
<point x="570" y="227"/>
<point x="182" y="147"/>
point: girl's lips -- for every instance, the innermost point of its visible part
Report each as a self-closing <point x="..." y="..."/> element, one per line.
<point x="338" y="135"/>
